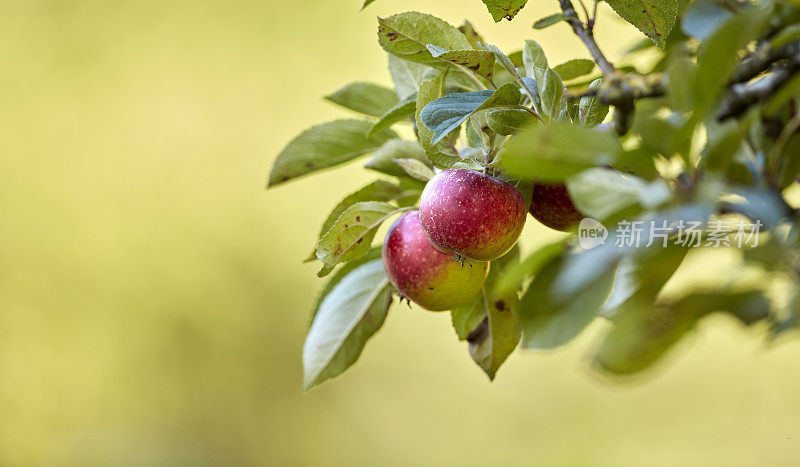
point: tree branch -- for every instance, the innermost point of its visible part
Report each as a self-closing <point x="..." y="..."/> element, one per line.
<point x="742" y="96"/>
<point x="585" y="35"/>
<point x="760" y="60"/>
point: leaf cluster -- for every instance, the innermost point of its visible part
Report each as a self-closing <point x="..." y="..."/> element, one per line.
<point x="711" y="134"/>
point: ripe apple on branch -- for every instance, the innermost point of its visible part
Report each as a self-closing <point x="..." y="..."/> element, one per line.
<point x="708" y="132"/>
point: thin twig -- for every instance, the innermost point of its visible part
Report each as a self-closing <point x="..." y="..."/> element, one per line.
<point x="587" y="36"/>
<point x="585" y="11"/>
<point x="742" y="96"/>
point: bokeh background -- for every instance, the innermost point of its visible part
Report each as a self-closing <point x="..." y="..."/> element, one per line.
<point x="153" y="303"/>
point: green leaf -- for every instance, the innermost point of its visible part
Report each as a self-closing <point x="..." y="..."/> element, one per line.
<point x="401" y="111"/>
<point x="383" y="158"/>
<point x="509" y="66"/>
<point x="468" y="317"/>
<point x="779" y="98"/>
<point x="548" y="21"/>
<point x="407" y="76"/>
<point x="366" y="98"/>
<point x="415" y="169"/>
<point x="509" y="121"/>
<point x="507" y="9"/>
<point x="641" y="275"/>
<point x="641" y="335"/>
<point x="480" y="62"/>
<point x="441" y="154"/>
<point x="666" y="133"/>
<point x="378" y="190"/>
<point x="325" y="146"/>
<point x="515" y="275"/>
<point x="702" y="18"/>
<point x="584" y="266"/>
<point x="406" y="35"/>
<point x="470" y="33"/>
<point x="366" y="3"/>
<point x="347" y="318"/>
<point x="550" y="91"/>
<point x="786" y="35"/>
<point x="351" y="235"/>
<point x="574" y="68"/>
<point x="448" y="112"/>
<point x="722" y="145"/>
<point x="591" y="111"/>
<point x="548" y="322"/>
<point x="498" y="333"/>
<point x="655" y="18"/>
<point x="534" y="60"/>
<point x="601" y="192"/>
<point x="341" y="273"/>
<point x="555" y="151"/>
<point x="717" y="56"/>
<point x="682" y="75"/>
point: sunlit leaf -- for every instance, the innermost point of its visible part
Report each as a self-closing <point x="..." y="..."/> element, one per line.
<point x="507" y="9"/>
<point x="574" y="68"/>
<point x="351" y="235"/>
<point x="366" y="98"/>
<point x="553" y="152"/>
<point x="655" y="18"/>
<point x="348" y="316"/>
<point x="325" y="146"/>
<point x="548" y="21"/>
<point x="448" y="112"/>
<point x="407" y="35"/>
<point x="383" y="158"/>
<point x="401" y="111"/>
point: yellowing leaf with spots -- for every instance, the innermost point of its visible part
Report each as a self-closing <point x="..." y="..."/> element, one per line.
<point x="351" y="235"/>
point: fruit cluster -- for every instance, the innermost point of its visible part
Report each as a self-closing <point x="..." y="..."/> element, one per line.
<point x="465" y="218"/>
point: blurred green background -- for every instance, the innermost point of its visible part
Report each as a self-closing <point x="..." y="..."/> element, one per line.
<point x="152" y="300"/>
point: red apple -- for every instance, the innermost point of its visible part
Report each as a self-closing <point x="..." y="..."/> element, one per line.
<point x="552" y="205"/>
<point x="472" y="214"/>
<point x="425" y="275"/>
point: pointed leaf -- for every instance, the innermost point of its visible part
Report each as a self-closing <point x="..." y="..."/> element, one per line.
<point x="325" y="146"/>
<point x="480" y="62"/>
<point x="401" y="111"/>
<point x="574" y="68"/>
<point x="406" y="36"/>
<point x="366" y="98"/>
<point x="509" y="66"/>
<point x="498" y="333"/>
<point x="407" y="76"/>
<point x="507" y="9"/>
<point x="446" y="113"/>
<point x="351" y="235"/>
<point x="415" y="169"/>
<point x="347" y="318"/>
<point x="655" y="18"/>
<point x="548" y="21"/>
<point x="470" y="33"/>
<point x="534" y="59"/>
<point x="441" y="154"/>
<point x="383" y="159"/>
<point x="550" y="91"/>
<point x="378" y="190"/>
<point x="341" y="273"/>
<point x="591" y="111"/>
